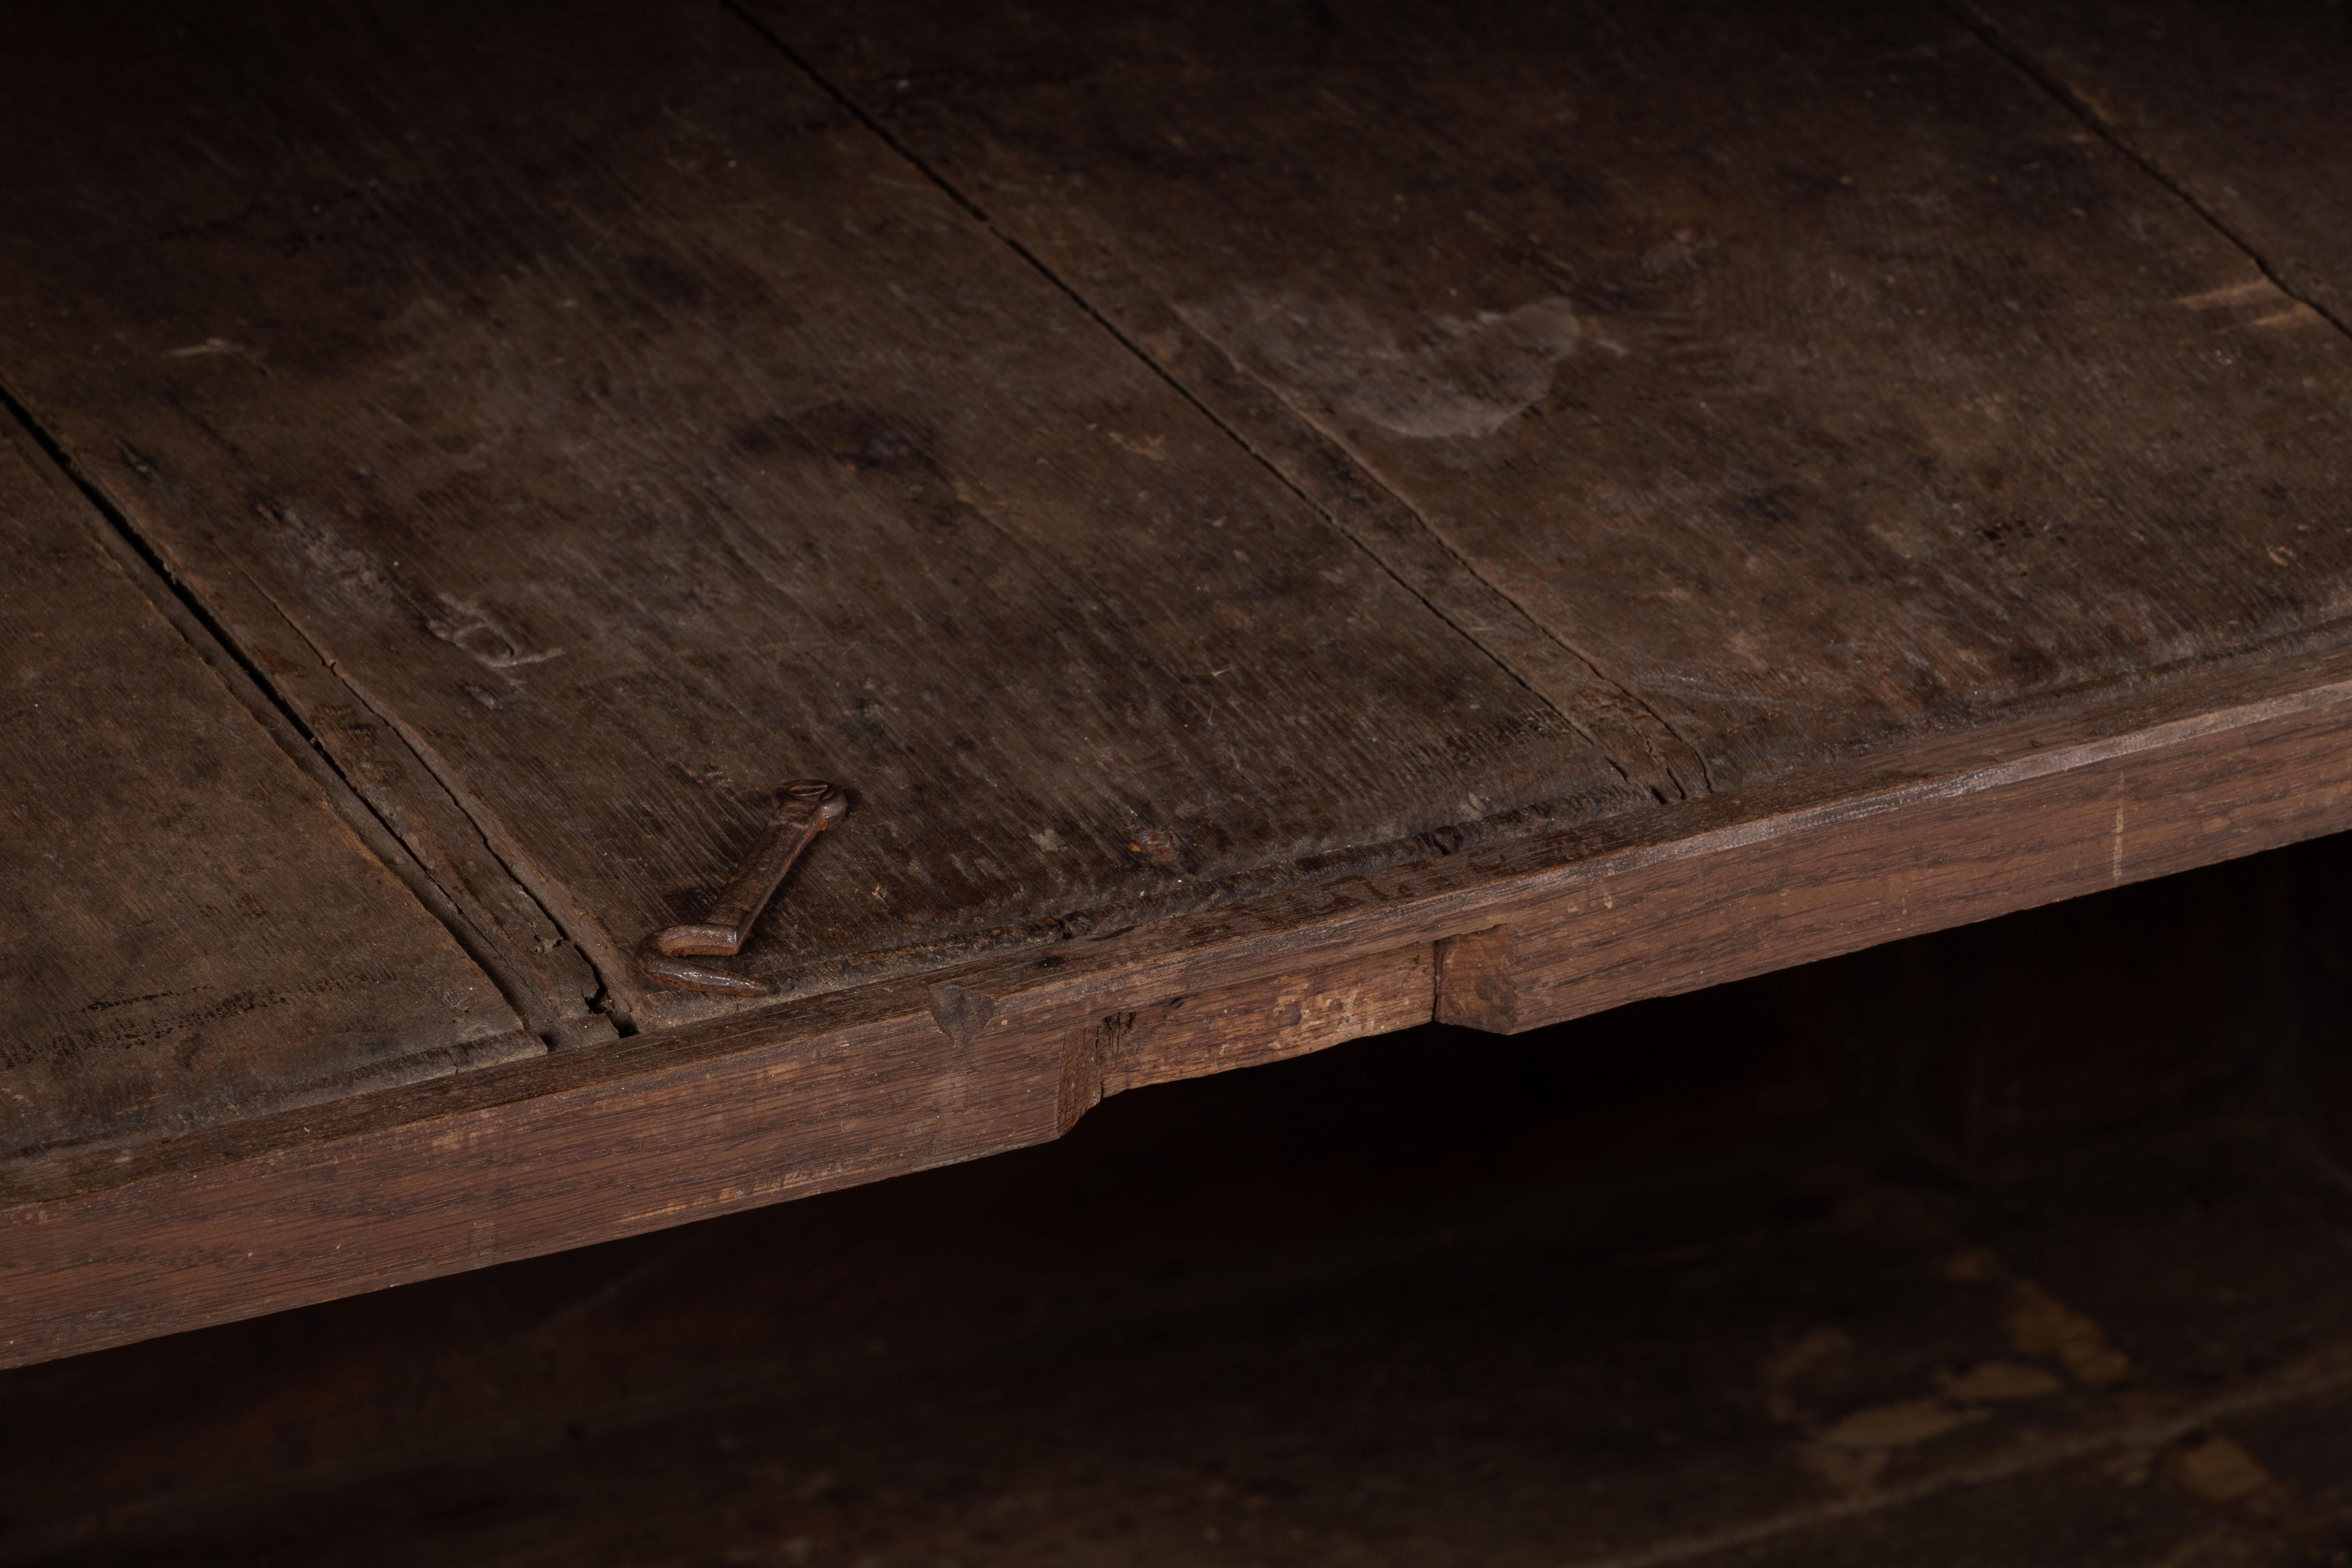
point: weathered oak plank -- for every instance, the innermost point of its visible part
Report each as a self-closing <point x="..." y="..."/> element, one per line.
<point x="1810" y="371"/>
<point x="1589" y="549"/>
<point x="187" y="934"/>
<point x="591" y="426"/>
<point x="2243" y="109"/>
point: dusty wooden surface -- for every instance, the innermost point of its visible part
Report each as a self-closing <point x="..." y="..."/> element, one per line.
<point x="1285" y="523"/>
<point x="190" y="934"/>
<point x="1904" y="414"/>
<point x="640" y="439"/>
<point x="2241" y="109"/>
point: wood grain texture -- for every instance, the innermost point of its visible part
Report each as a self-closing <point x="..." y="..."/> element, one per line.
<point x="584" y="410"/>
<point x="1252" y="1023"/>
<point x="2242" y="108"/>
<point x="187" y="932"/>
<point x="1887" y="420"/>
<point x="1479" y="532"/>
<point x="576" y="1147"/>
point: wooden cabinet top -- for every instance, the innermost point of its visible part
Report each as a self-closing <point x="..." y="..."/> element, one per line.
<point x="1283" y="522"/>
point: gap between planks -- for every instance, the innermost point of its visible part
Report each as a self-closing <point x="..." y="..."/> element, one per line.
<point x="207" y="634"/>
<point x="1630" y="769"/>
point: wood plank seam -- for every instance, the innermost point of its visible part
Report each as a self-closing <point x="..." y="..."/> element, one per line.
<point x="616" y="1023"/>
<point x="690" y="705"/>
<point x="1636" y="770"/>
<point x="1648" y="748"/>
<point x="270" y="941"/>
<point x="1989" y="32"/>
<point x="1654" y="771"/>
<point x="988" y="118"/>
<point x="209" y="636"/>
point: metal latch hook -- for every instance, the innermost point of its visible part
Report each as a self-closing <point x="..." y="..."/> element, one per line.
<point x="804" y="808"/>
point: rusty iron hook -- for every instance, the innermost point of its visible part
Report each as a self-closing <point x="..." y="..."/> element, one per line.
<point x="804" y="808"/>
